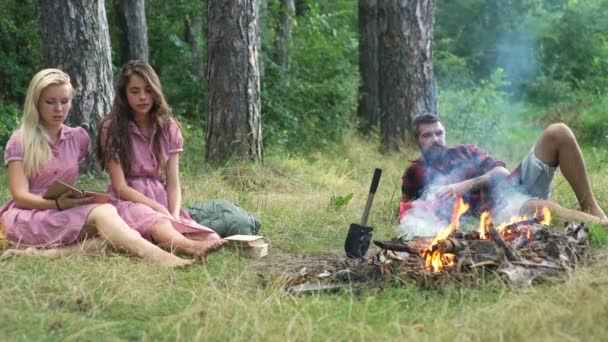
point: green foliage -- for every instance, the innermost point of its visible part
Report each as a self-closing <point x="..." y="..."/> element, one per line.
<point x="171" y="56"/>
<point x="20" y="54"/>
<point x="311" y="104"/>
<point x="9" y="121"/>
<point x="336" y="201"/>
<point x="585" y="114"/>
<point x="574" y="52"/>
<point x="475" y="114"/>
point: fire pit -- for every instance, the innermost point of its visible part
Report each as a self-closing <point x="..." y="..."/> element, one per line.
<point x="523" y="249"/>
<point x="520" y="251"/>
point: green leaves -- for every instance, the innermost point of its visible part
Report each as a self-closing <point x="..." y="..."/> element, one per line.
<point x="336" y="202"/>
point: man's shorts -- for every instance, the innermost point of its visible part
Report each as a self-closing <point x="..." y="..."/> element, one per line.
<point x="536" y="176"/>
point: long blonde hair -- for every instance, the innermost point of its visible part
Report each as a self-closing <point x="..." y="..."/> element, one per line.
<point x="34" y="137"/>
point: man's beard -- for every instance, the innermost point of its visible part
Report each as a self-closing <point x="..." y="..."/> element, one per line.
<point x="434" y="154"/>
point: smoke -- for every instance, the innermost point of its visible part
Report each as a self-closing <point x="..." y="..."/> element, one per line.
<point x="515" y="53"/>
<point x="428" y="215"/>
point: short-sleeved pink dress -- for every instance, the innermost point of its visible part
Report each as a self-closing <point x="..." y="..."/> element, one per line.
<point x="47" y="228"/>
<point x="146" y="178"/>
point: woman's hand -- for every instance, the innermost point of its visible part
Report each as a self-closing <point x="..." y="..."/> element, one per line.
<point x="67" y="200"/>
<point x="161" y="209"/>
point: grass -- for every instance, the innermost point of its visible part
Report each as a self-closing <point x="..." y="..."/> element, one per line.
<point x="116" y="297"/>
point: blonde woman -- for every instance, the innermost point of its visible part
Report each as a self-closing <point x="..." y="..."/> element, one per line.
<point x="44" y="149"/>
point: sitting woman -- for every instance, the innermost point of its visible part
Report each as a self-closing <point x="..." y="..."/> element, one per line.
<point x="44" y="149"/>
<point x="138" y="144"/>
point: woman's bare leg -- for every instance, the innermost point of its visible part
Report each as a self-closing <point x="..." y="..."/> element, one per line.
<point x="168" y="237"/>
<point x="112" y="228"/>
<point x="90" y="246"/>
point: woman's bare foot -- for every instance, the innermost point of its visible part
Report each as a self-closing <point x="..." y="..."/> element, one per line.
<point x="201" y="248"/>
<point x="163" y="258"/>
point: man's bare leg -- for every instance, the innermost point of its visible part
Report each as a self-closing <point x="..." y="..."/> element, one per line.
<point x="557" y="146"/>
<point x="565" y="214"/>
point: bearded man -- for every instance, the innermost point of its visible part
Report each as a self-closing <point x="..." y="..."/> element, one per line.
<point x="443" y="174"/>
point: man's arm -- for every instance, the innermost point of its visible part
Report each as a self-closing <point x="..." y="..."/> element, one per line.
<point x="494" y="176"/>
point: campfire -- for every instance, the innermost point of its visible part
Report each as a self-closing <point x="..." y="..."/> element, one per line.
<point x="441" y="253"/>
<point x="523" y="248"/>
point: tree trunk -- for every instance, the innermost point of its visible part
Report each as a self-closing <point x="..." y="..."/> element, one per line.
<point x="193" y="34"/>
<point x="75" y="38"/>
<point x="234" y="126"/>
<point x="407" y="83"/>
<point x="133" y="38"/>
<point x="283" y="42"/>
<point x="262" y="13"/>
<point x="369" y="102"/>
<point x="302" y="8"/>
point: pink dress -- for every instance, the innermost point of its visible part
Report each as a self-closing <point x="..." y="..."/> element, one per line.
<point x="147" y="179"/>
<point x="47" y="228"/>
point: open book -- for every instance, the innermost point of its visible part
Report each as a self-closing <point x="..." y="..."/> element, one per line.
<point x="59" y="187"/>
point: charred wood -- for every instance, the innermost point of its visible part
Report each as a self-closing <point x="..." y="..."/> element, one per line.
<point x="511" y="256"/>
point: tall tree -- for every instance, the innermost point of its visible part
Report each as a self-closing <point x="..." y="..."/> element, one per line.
<point x="133" y="38"/>
<point x="369" y="102"/>
<point x="234" y="125"/>
<point x="407" y="82"/>
<point x="75" y="38"/>
<point x="193" y="33"/>
<point x="287" y="12"/>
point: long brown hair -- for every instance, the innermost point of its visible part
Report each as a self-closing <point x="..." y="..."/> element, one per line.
<point x="118" y="145"/>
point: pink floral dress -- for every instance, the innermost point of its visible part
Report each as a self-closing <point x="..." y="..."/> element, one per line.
<point x="47" y="228"/>
<point x="146" y="178"/>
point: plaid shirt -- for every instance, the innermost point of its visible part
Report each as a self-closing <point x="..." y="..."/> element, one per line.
<point x="461" y="163"/>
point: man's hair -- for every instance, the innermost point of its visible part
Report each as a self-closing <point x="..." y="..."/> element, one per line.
<point x="424" y="119"/>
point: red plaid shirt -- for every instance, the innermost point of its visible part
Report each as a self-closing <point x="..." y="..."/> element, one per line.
<point x="461" y="163"/>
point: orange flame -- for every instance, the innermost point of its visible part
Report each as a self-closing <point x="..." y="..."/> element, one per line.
<point x="546" y="216"/>
<point x="459" y="208"/>
<point x="435" y="261"/>
<point x="484" y="221"/>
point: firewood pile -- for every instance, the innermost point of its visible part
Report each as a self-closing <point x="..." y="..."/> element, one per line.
<point x="524" y="252"/>
<point x="520" y="253"/>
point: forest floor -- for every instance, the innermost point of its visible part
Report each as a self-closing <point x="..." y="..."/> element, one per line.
<point x="116" y="297"/>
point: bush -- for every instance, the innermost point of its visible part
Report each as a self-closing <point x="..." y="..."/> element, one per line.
<point x="474" y="115"/>
<point x="9" y="121"/>
<point x="311" y="104"/>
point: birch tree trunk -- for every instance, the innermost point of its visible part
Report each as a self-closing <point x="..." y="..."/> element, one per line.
<point x="75" y="38"/>
<point x="133" y="38"/>
<point x="369" y="102"/>
<point x="234" y="126"/>
<point x="407" y="82"/>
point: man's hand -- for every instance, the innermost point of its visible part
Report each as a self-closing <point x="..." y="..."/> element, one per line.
<point x="452" y="191"/>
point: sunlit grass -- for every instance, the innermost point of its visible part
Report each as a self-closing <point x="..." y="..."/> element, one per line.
<point x="116" y="297"/>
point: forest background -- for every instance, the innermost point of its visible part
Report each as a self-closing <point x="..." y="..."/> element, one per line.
<point x="504" y="70"/>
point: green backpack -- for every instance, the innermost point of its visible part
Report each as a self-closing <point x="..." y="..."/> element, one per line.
<point x="225" y="217"/>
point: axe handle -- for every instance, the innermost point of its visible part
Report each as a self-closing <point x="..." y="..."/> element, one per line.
<point x="370" y="196"/>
